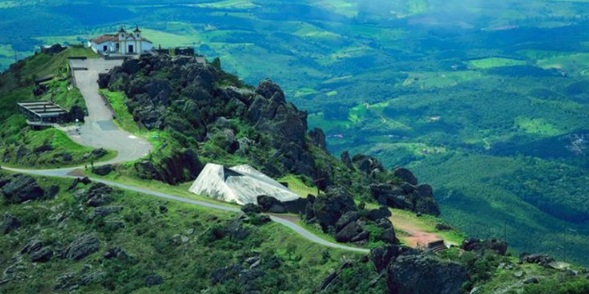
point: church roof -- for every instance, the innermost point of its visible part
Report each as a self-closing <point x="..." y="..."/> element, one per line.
<point x="115" y="37"/>
<point x="105" y="38"/>
<point x="137" y="29"/>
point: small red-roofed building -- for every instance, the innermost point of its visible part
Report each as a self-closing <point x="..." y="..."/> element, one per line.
<point x="122" y="42"/>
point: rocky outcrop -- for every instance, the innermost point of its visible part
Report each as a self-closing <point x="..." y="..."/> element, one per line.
<point x="153" y="280"/>
<point x="333" y="277"/>
<point x="9" y="223"/>
<point x="115" y="252"/>
<point x="419" y="199"/>
<point x="329" y="207"/>
<point x="318" y="138"/>
<point x="352" y="232"/>
<point x="20" y="188"/>
<point x="32" y="246"/>
<point x="271" y="204"/>
<point x="367" y="164"/>
<point x="181" y="166"/>
<point x="42" y="255"/>
<point x="103" y="170"/>
<point x="541" y="259"/>
<point x="405" y="175"/>
<point x="410" y="274"/>
<point x="472" y="244"/>
<point x="97" y="194"/>
<point x="82" y="247"/>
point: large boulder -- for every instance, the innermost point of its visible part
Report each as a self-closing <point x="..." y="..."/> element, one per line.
<point x="387" y="231"/>
<point x="405" y="175"/>
<point x="541" y="259"/>
<point x="472" y="244"/>
<point x="420" y="274"/>
<point x="103" y="170"/>
<point x="352" y="232"/>
<point x="271" y="204"/>
<point x="419" y="199"/>
<point x="82" y="247"/>
<point x="97" y="194"/>
<point x="329" y="207"/>
<point x="424" y="201"/>
<point x="42" y="255"/>
<point x="20" y="188"/>
<point x="382" y="256"/>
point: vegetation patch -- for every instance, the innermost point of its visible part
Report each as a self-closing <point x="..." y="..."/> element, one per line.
<point x="487" y="63"/>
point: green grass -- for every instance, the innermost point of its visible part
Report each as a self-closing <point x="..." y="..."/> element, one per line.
<point x="229" y="4"/>
<point x="123" y="119"/>
<point x="148" y="238"/>
<point x="536" y="126"/>
<point x="487" y="63"/>
<point x="296" y="185"/>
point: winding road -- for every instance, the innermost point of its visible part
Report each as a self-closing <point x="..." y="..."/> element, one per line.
<point x="99" y="131"/>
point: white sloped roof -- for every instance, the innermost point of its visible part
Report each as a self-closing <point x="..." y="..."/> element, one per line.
<point x="240" y="184"/>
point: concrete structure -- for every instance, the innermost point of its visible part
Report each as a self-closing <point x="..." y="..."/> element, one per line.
<point x="123" y="42"/>
<point x="40" y="113"/>
<point x="240" y="184"/>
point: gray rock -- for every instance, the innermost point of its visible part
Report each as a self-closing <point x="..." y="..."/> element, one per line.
<point x="330" y="207"/>
<point x="66" y="281"/>
<point x="518" y="274"/>
<point x="82" y="247"/>
<point x="91" y="277"/>
<point x="32" y="246"/>
<point x="271" y="204"/>
<point x="425" y="274"/>
<point x="21" y="188"/>
<point x="352" y="232"/>
<point x="344" y="220"/>
<point x="42" y="255"/>
<point x="106" y="210"/>
<point x="115" y="252"/>
<point x="532" y="280"/>
<point x="388" y="231"/>
<point x="378" y="213"/>
<point x="405" y="175"/>
<point x="382" y="256"/>
<point x="103" y="170"/>
<point x="99" y="152"/>
<point x="9" y="224"/>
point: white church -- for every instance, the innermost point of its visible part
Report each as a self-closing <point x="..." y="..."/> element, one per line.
<point x="122" y="42"/>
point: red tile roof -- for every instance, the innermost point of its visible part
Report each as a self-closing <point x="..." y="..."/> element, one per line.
<point x="105" y="38"/>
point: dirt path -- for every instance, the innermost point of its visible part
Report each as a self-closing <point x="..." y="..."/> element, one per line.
<point x="416" y="236"/>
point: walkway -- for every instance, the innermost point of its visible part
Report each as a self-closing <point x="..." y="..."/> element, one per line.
<point x="99" y="131"/>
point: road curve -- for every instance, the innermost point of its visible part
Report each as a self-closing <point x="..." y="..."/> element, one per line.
<point x="99" y="131"/>
<point x="63" y="173"/>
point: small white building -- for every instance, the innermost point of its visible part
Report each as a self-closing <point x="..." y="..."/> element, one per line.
<point x="121" y="43"/>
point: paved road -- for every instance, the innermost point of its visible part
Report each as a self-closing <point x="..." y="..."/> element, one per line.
<point x="99" y="129"/>
<point x="64" y="173"/>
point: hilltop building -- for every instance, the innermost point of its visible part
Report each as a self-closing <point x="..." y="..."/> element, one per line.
<point x="122" y="42"/>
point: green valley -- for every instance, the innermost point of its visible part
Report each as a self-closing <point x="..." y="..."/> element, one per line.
<point x="487" y="102"/>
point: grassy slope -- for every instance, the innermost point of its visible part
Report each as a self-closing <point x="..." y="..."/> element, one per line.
<point x="217" y="37"/>
<point x="147" y="237"/>
<point x="17" y="85"/>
